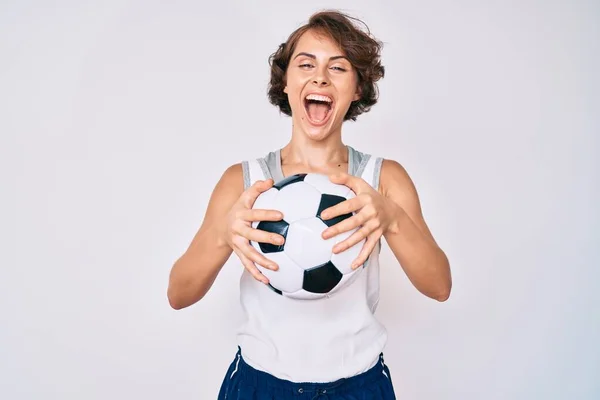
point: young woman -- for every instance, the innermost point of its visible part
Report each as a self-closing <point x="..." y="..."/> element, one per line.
<point x="332" y="348"/>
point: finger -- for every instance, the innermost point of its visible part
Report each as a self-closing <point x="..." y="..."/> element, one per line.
<point x="344" y="226"/>
<point x="366" y="250"/>
<point x="257" y="258"/>
<point x="253" y="215"/>
<point x="342" y="208"/>
<point x="260" y="236"/>
<point x="355" y="183"/>
<point x="249" y="265"/>
<point x="261" y="185"/>
<point x="340" y="177"/>
<point x="356" y="237"/>
<point x="251" y="194"/>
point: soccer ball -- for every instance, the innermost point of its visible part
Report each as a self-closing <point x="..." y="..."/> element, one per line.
<point x="308" y="268"/>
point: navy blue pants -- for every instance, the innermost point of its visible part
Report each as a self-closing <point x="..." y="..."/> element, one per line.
<point x="242" y="382"/>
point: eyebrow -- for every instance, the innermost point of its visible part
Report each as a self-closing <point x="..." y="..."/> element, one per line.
<point x="314" y="57"/>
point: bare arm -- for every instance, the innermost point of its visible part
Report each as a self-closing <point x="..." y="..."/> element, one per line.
<point x="409" y="237"/>
<point x="394" y="212"/>
<point x="227" y="228"/>
<point x="195" y="271"/>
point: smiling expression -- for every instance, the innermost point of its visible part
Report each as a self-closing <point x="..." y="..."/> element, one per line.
<point x="321" y="83"/>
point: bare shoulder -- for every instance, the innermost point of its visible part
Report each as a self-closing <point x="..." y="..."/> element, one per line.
<point x="230" y="186"/>
<point x="398" y="186"/>
<point x="394" y="179"/>
<point x="233" y="176"/>
<point x="224" y="195"/>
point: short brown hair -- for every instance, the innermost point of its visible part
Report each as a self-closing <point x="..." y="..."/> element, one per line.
<point x="362" y="50"/>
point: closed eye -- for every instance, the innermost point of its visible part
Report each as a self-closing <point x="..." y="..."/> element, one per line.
<point x="312" y="66"/>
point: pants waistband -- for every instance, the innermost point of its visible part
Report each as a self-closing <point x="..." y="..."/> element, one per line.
<point x="261" y="379"/>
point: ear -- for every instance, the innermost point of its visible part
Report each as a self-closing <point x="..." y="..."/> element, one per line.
<point x="285" y="90"/>
<point x="358" y="93"/>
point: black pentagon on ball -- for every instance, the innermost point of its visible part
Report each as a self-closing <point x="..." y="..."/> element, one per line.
<point x="289" y="180"/>
<point x="321" y="279"/>
<point x="330" y="200"/>
<point x="279" y="292"/>
<point x="280" y="227"/>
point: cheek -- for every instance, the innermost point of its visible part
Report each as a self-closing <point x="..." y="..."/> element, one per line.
<point x="293" y="96"/>
<point x="347" y="86"/>
<point x="291" y="87"/>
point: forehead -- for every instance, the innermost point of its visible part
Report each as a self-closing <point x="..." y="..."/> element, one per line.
<point x="315" y="42"/>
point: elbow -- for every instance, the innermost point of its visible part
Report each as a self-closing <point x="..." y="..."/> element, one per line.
<point x="175" y="301"/>
<point x="176" y="306"/>
<point x="176" y="293"/>
<point x="440" y="291"/>
<point x="445" y="285"/>
<point x="443" y="294"/>
<point x="438" y="294"/>
<point x="179" y="299"/>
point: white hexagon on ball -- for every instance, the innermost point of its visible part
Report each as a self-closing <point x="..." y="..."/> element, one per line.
<point x="265" y="201"/>
<point x="305" y="245"/>
<point x="324" y="185"/>
<point x="288" y="278"/>
<point x="304" y="295"/>
<point x="298" y="201"/>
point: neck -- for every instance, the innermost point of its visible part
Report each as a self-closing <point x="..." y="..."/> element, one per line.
<point x="303" y="150"/>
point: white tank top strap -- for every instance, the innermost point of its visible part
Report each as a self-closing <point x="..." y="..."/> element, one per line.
<point x="254" y="170"/>
<point x="370" y="170"/>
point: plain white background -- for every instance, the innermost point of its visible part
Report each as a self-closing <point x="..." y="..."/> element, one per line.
<point x="118" y="117"/>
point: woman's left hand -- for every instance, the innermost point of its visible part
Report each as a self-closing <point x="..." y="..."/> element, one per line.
<point x="373" y="216"/>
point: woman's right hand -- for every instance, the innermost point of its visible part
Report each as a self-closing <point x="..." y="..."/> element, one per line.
<point x="239" y="230"/>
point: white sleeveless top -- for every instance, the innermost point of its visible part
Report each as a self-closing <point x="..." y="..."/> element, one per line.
<point x="312" y="340"/>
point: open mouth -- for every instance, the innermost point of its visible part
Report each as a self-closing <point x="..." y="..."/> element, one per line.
<point x="318" y="108"/>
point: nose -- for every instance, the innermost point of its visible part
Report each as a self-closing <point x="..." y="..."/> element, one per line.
<point x="320" y="77"/>
<point x="320" y="81"/>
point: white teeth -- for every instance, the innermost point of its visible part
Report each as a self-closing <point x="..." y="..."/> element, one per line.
<point x="319" y="98"/>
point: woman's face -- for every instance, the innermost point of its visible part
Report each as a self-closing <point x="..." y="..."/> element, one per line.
<point x="320" y="84"/>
